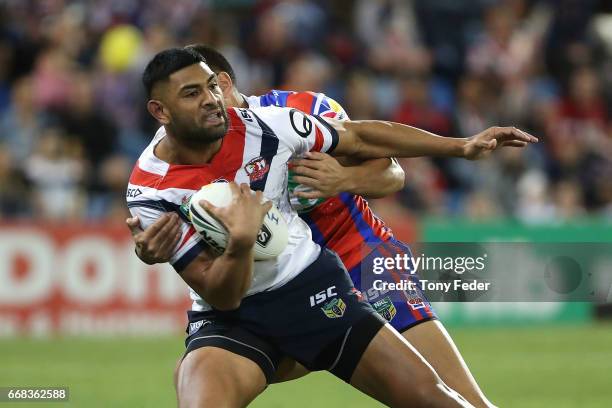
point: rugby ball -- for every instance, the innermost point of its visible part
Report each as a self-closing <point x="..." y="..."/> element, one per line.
<point x="271" y="239"/>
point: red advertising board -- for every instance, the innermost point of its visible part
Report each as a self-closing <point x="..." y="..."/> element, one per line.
<point x="83" y="280"/>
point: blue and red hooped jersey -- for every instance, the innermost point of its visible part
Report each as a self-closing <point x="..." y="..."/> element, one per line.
<point x="344" y="223"/>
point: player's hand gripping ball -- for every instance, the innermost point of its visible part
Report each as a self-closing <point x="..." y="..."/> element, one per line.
<point x="271" y="238"/>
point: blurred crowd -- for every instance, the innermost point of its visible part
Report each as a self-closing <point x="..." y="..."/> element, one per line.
<point x="73" y="117"/>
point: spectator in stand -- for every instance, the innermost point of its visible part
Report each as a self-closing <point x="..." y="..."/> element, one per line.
<point x="22" y="122"/>
<point x="578" y="143"/>
<point x="56" y="170"/>
<point x="14" y="191"/>
<point x="390" y="33"/>
<point x="453" y="67"/>
<point x="416" y="107"/>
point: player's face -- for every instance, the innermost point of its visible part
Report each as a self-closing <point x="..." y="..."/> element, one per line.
<point x="196" y="106"/>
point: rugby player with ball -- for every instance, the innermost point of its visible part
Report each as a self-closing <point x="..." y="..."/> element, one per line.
<point x="252" y="313"/>
<point x="332" y="201"/>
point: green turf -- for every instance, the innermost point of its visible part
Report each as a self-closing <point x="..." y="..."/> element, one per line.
<point x="523" y="367"/>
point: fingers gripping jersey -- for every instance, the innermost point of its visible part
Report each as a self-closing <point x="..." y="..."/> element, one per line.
<point x="255" y="150"/>
<point x="344" y="223"/>
<point x="309" y="102"/>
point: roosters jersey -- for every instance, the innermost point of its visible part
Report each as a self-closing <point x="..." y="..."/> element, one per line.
<point x="345" y="223"/>
<point x="255" y="150"/>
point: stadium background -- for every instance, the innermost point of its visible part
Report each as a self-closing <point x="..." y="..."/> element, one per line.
<point x="78" y="309"/>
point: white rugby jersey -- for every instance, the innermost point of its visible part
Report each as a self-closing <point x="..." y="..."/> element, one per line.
<point x="255" y="150"/>
<point x="313" y="104"/>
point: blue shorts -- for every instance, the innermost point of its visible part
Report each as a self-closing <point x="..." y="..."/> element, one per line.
<point x="402" y="309"/>
<point x="317" y="318"/>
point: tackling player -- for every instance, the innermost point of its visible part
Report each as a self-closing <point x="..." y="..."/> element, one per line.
<point x="343" y="223"/>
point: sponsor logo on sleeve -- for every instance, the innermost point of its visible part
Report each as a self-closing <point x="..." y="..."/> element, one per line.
<point x="133" y="192"/>
<point x="300" y="123"/>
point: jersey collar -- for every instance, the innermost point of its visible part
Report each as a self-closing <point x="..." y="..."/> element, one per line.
<point x="253" y="101"/>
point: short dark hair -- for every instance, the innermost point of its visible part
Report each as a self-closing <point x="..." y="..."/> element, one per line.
<point x="167" y="62"/>
<point x="215" y="60"/>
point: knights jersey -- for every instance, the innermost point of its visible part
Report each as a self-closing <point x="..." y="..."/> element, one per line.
<point x="345" y="223"/>
<point x="309" y="102"/>
<point x="255" y="150"/>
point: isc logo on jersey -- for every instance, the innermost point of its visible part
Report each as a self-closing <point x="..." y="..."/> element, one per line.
<point x="271" y="239"/>
<point x="333" y="307"/>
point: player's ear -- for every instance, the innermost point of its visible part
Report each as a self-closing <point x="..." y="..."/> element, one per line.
<point x="158" y="111"/>
<point x="225" y="82"/>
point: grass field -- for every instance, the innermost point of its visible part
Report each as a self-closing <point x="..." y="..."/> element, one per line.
<point x="567" y="366"/>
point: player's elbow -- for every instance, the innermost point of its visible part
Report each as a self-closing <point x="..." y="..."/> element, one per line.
<point x="222" y="298"/>
<point x="397" y="178"/>
<point x="224" y="301"/>
<point x="392" y="181"/>
<point x="227" y="305"/>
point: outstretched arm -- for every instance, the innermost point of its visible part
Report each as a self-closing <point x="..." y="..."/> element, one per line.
<point x="327" y="176"/>
<point x="373" y="139"/>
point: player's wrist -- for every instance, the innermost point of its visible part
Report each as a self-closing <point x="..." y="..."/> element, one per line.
<point x="347" y="181"/>
<point x="459" y="147"/>
<point x="139" y="254"/>
<point x="240" y="245"/>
